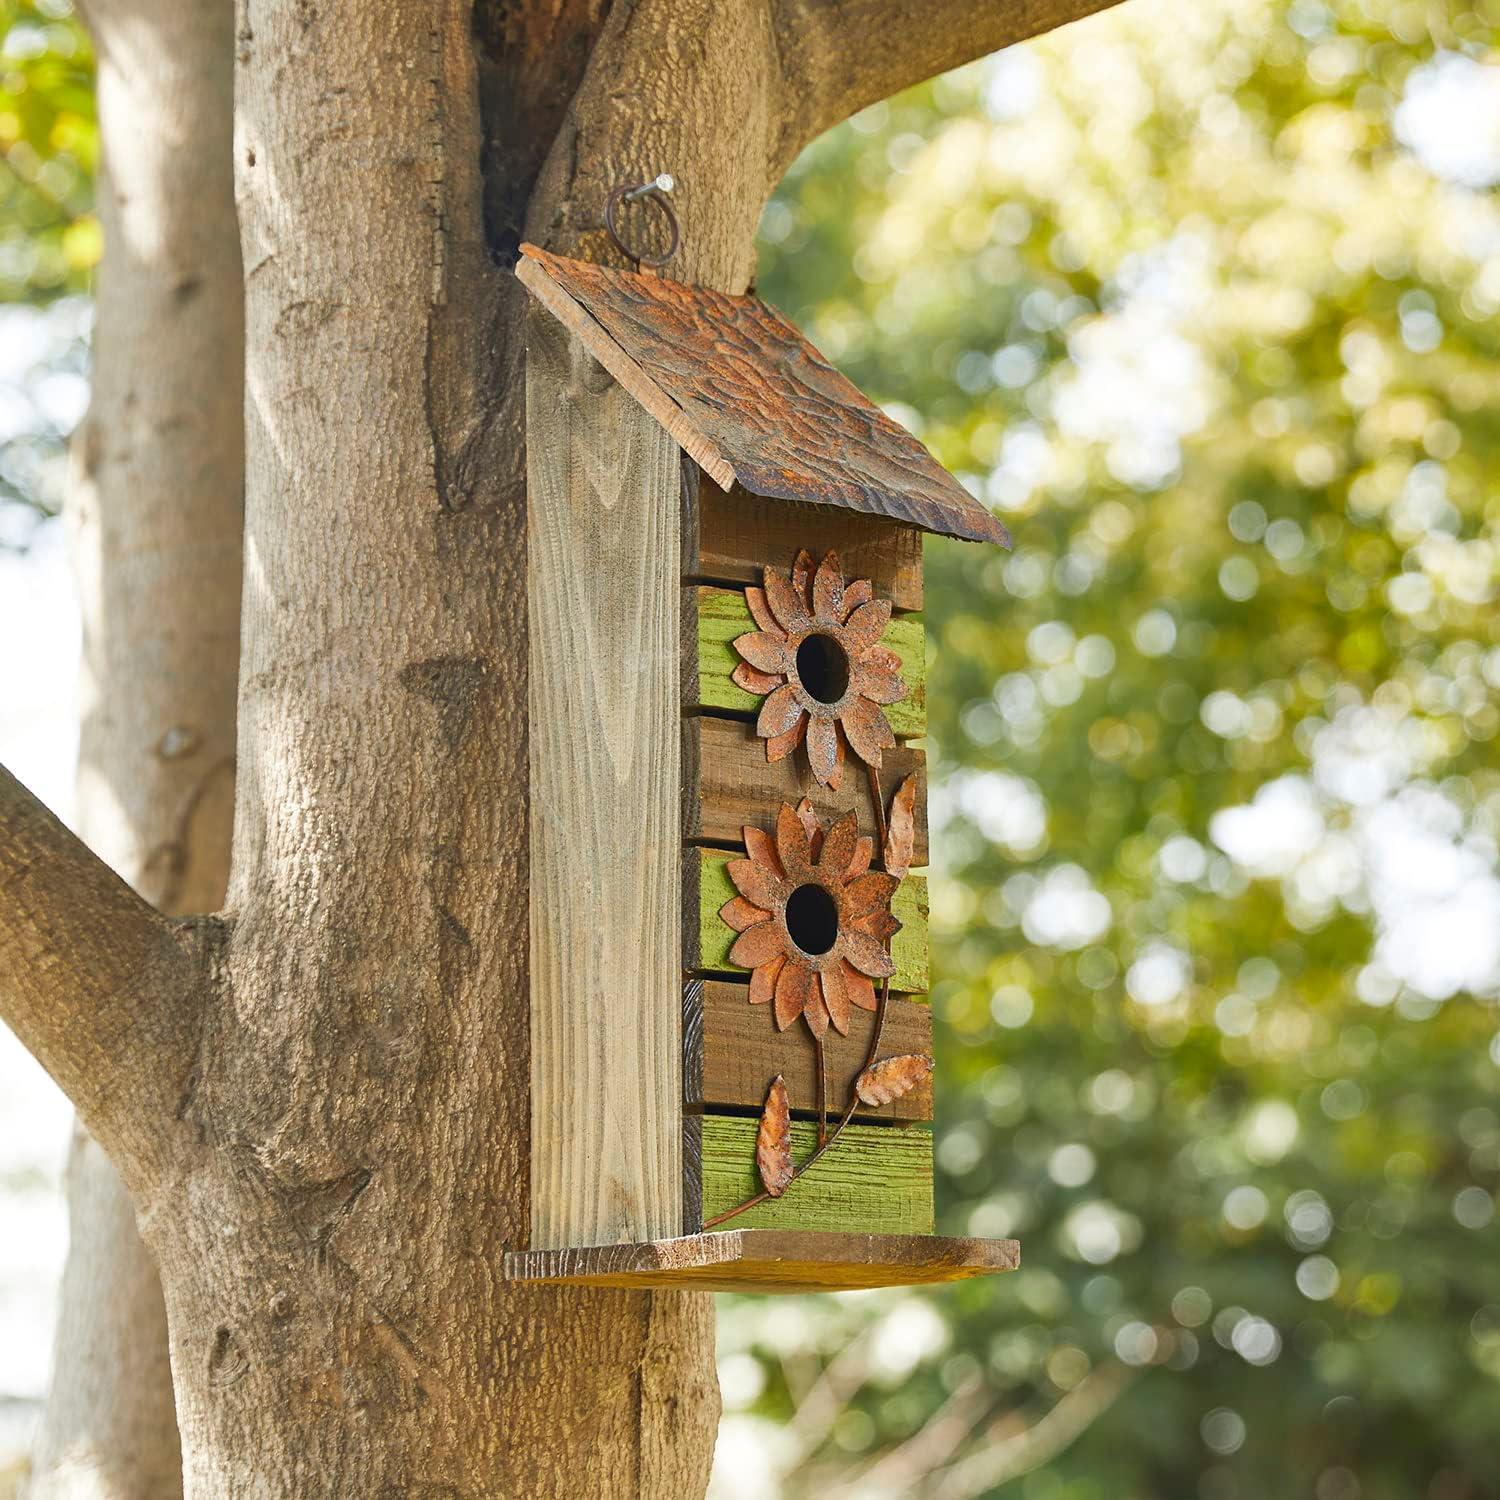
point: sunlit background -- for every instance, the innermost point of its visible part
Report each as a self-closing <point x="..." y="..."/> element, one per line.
<point x="1201" y="296"/>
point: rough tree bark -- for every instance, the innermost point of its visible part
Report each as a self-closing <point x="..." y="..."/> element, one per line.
<point x="156" y="511"/>
<point x="318" y="1099"/>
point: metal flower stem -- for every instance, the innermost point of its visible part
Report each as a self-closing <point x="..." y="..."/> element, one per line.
<point x="826" y="1142"/>
<point x="822" y="1089"/>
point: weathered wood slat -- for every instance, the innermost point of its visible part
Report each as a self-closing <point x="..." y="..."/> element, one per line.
<point x="606" y="988"/>
<point x="770" y="1260"/>
<point x="707" y="939"/>
<point x="732" y="1050"/>
<point x="717" y="616"/>
<point x="729" y="782"/>
<point x="876" y="1180"/>
<point x="739" y="533"/>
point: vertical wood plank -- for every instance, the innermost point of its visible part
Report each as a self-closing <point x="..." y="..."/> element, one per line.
<point x="603" y="559"/>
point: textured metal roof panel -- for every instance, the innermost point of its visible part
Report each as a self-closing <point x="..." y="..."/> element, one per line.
<point x="750" y="399"/>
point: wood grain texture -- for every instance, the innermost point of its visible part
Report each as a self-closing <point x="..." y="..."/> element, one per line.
<point x="736" y="1049"/>
<point x="876" y="1180"/>
<point x="771" y="1260"/>
<point x="729" y="782"/>
<point x="606" y="1147"/>
<point x="738" y="534"/>
<point x="707" y="939"/>
<point x="717" y="616"/>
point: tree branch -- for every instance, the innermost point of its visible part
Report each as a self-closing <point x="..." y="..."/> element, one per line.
<point x="93" y="981"/>
<point x="840" y="55"/>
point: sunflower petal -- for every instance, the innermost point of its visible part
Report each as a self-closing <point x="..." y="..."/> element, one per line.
<point x="802" y="571"/>
<point x="838" y="847"/>
<point x="862" y="858"/>
<point x="753" y="680"/>
<point x="883" y="658"/>
<point x="863" y="952"/>
<point x="763" y="980"/>
<point x="835" y="998"/>
<point x="866" y="625"/>
<point x="761" y="847"/>
<point x="828" y="590"/>
<point x="816" y="1013"/>
<point x="809" y="820"/>
<point x="792" y="987"/>
<point x="861" y="591"/>
<point x="741" y="914"/>
<point x="876" y="684"/>
<point x="868" y="729"/>
<point x="857" y="986"/>
<point x="787" y="604"/>
<point x="822" y="747"/>
<point x="757" y="945"/>
<point x="779" y="746"/>
<point x="760" y="611"/>
<point x="756" y="882"/>
<point x="837" y="779"/>
<point x="792" y="842"/>
<point x="868" y="893"/>
<point x="779" y="713"/>
<point x="879" y="923"/>
<point x="762" y="649"/>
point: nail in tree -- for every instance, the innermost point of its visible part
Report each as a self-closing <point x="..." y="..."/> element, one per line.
<point x="731" y="1079"/>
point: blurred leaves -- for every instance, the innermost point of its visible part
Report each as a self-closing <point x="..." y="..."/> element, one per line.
<point x="49" y="244"/>
<point x="1202" y="299"/>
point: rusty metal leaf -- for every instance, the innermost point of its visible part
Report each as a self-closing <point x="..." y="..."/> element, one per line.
<point x="773" y="1140"/>
<point x="901" y="830"/>
<point x="892" y="1077"/>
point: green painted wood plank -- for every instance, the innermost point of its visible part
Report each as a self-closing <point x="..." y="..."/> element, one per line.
<point x="723" y="615"/>
<point x="715" y="937"/>
<point x="876" y="1180"/>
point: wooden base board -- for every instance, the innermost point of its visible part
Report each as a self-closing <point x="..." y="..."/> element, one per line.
<point x="769" y="1260"/>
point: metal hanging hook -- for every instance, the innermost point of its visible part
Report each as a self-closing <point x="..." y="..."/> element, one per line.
<point x="656" y="192"/>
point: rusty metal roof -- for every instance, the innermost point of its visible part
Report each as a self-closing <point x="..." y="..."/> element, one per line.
<point x="750" y="399"/>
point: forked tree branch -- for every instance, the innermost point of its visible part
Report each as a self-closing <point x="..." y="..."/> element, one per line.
<point x="841" y="55"/>
<point x="93" y="981"/>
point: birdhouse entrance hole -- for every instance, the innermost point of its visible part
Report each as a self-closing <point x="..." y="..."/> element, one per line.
<point x="823" y="666"/>
<point x="812" y="920"/>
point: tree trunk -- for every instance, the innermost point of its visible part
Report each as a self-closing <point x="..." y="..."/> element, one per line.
<point x="319" y="1099"/>
<point x="156" y="511"/>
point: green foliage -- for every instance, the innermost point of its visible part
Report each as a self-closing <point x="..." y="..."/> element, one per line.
<point x="1215" y="914"/>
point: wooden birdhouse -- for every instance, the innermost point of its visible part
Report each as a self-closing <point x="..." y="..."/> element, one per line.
<point x="731" y="1045"/>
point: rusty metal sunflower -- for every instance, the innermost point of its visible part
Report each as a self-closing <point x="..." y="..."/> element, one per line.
<point x="813" y="919"/>
<point x="818" y="662"/>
